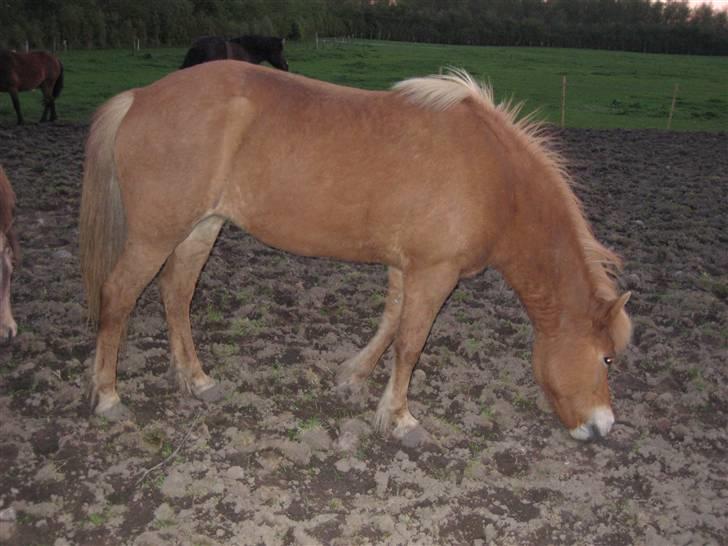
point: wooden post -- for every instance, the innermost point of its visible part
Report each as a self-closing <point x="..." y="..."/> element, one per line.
<point x="317" y="40"/>
<point x="27" y="46"/>
<point x="563" y="100"/>
<point x="672" y="107"/>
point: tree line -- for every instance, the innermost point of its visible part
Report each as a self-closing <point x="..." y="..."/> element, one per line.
<point x="669" y="26"/>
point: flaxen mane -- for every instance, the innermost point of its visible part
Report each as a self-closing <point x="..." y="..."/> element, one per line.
<point x="441" y="92"/>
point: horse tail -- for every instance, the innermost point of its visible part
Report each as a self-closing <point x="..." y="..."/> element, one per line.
<point x="194" y="56"/>
<point x="102" y="223"/>
<point x="58" y="86"/>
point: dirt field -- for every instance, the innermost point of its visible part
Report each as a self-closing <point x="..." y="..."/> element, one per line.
<point x="283" y="461"/>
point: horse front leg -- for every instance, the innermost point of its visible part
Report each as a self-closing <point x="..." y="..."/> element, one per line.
<point x="425" y="290"/>
<point x="16" y="104"/>
<point x="135" y="268"/>
<point x="177" y="282"/>
<point x="48" y="104"/>
<point x="353" y="373"/>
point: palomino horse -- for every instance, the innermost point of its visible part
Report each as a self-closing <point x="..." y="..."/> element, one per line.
<point x="249" y="48"/>
<point x="28" y="71"/>
<point x="8" y="255"/>
<point x="432" y="179"/>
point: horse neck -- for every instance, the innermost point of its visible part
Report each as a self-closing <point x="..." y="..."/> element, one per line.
<point x="542" y="259"/>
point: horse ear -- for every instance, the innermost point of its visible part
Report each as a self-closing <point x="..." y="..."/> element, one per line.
<point x="616" y="307"/>
<point x="617" y="323"/>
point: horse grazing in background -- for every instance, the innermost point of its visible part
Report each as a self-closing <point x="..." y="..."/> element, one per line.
<point x="28" y="71"/>
<point x="250" y="48"/>
<point x="432" y="179"/>
<point x="9" y="255"/>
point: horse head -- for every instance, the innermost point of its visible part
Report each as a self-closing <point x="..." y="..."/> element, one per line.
<point x="572" y="367"/>
<point x="275" y="56"/>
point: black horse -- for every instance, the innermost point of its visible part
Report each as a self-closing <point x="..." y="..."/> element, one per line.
<point x="253" y="49"/>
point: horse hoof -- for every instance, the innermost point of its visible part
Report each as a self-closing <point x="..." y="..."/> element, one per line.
<point x="416" y="437"/>
<point x="211" y="393"/>
<point x="353" y="393"/>
<point x="116" y="413"/>
<point x="7" y="338"/>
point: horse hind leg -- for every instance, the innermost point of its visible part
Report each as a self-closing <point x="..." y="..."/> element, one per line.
<point x="48" y="104"/>
<point x="177" y="283"/>
<point x="353" y="373"/>
<point x="134" y="270"/>
<point x="16" y="105"/>
<point x="424" y="293"/>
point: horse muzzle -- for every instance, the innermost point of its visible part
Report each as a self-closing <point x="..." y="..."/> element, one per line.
<point x="598" y="426"/>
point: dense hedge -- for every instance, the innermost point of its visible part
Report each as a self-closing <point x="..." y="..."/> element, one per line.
<point x="633" y="25"/>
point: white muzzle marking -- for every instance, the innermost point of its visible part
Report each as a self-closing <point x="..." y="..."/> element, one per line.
<point x="598" y="425"/>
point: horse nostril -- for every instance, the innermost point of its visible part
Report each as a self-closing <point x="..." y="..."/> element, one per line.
<point x="594" y="432"/>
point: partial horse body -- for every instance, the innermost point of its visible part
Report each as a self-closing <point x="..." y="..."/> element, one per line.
<point x="9" y="254"/>
<point x="432" y="179"/>
<point x="249" y="48"/>
<point x="28" y="71"/>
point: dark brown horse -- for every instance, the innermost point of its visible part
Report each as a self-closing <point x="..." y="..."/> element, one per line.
<point x="433" y="179"/>
<point x="28" y="71"/>
<point x="8" y="256"/>
<point x="251" y="48"/>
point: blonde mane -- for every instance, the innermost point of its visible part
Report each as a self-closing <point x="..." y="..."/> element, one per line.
<point x="443" y="91"/>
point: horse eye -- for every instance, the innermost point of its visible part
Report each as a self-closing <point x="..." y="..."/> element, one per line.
<point x="608" y="360"/>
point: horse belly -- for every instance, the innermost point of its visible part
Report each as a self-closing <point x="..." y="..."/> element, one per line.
<point x="377" y="214"/>
<point x="308" y="219"/>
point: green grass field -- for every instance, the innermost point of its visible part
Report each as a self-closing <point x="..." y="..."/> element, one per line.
<point x="605" y="89"/>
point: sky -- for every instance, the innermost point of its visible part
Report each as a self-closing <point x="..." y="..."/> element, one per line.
<point x="717" y="4"/>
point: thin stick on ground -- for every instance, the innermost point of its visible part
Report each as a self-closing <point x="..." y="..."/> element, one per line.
<point x="172" y="455"/>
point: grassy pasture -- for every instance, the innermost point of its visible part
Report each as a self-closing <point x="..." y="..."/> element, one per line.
<point x="605" y="89"/>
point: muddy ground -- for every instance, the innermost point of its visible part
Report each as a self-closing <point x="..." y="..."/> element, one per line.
<point x="281" y="460"/>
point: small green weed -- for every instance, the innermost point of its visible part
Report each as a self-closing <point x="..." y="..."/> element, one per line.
<point x="524" y="404"/>
<point x="244" y="327"/>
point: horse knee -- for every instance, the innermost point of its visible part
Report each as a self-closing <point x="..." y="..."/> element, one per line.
<point x="116" y="305"/>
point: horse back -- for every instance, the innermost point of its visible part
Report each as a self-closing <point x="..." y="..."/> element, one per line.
<point x="204" y="49"/>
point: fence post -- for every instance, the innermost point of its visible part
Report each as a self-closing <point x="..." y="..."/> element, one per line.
<point x="317" y="40"/>
<point x="563" y="100"/>
<point x="27" y="46"/>
<point x="672" y="107"/>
